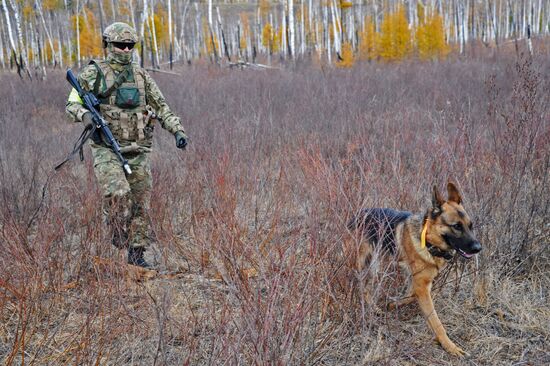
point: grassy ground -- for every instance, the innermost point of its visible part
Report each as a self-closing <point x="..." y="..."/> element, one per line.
<point x="249" y="221"/>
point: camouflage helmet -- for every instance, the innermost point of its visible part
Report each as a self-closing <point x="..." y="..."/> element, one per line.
<point x="119" y="32"/>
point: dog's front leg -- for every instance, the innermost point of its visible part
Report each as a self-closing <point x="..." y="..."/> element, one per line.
<point x="422" y="290"/>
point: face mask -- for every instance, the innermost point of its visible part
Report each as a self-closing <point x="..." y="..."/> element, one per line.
<point x="122" y="58"/>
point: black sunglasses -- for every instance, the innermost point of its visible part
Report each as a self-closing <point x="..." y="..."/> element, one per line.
<point x="123" y="45"/>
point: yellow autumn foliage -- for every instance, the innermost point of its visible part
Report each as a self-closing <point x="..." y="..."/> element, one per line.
<point x="30" y="54"/>
<point x="52" y="4"/>
<point x="265" y="7"/>
<point x="267" y="37"/>
<point x="161" y="26"/>
<point x="245" y="26"/>
<point x="368" y="41"/>
<point x="277" y="40"/>
<point x="90" y="34"/>
<point x="28" y="13"/>
<point x="105" y="4"/>
<point x="347" y="56"/>
<point x="124" y="8"/>
<point x="211" y="41"/>
<point x="345" y="4"/>
<point x="395" y="36"/>
<point x="430" y="38"/>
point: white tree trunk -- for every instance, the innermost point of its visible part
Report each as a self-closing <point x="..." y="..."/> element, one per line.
<point x="210" y="13"/>
<point x="318" y="36"/>
<point x="270" y="39"/>
<point x="22" y="47"/>
<point x="60" y="49"/>
<point x="154" y="35"/>
<point x="284" y="32"/>
<point x="218" y="32"/>
<point x="50" y="42"/>
<point x="101" y="14"/>
<point x="113" y="10"/>
<point x="291" y="28"/>
<point x="77" y="34"/>
<point x="302" y="29"/>
<point x="8" y="27"/>
<point x="327" y="33"/>
<point x="197" y="39"/>
<point x="171" y="44"/>
<point x="182" y="42"/>
<point x="132" y="18"/>
<point x="2" y="62"/>
<point x="336" y="26"/>
<point x="466" y="22"/>
<point x="144" y="16"/>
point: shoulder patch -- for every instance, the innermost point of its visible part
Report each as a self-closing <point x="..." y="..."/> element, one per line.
<point x="87" y="77"/>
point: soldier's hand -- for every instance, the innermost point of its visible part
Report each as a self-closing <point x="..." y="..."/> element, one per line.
<point x="181" y="140"/>
<point x="87" y="118"/>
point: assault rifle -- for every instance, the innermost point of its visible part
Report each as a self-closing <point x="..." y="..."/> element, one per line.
<point x="91" y="103"/>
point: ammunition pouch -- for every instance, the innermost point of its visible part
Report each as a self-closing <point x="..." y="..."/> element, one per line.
<point x="127" y="97"/>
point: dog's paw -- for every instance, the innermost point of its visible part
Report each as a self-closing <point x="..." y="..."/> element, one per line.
<point x="453" y="349"/>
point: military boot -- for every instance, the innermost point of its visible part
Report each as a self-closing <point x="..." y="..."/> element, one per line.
<point x="135" y="257"/>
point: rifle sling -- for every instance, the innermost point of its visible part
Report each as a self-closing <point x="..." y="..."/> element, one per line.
<point x="120" y="79"/>
<point x="79" y="144"/>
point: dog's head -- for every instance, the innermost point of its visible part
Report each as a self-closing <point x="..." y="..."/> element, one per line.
<point x="450" y="226"/>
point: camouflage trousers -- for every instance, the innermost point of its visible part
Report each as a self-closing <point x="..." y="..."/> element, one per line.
<point x="126" y="199"/>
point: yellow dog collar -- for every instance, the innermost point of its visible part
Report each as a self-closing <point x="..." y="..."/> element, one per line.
<point x="423" y="235"/>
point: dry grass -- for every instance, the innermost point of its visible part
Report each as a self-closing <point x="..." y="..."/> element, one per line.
<point x="278" y="162"/>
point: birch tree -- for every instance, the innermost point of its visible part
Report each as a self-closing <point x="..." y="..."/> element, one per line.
<point x="101" y="15"/>
<point x="10" y="35"/>
<point x="22" y="49"/>
<point x="77" y="33"/>
<point x="155" y="55"/>
<point x="291" y="28"/>
<point x="296" y="27"/>
<point x="144" y="16"/>
<point x="38" y="7"/>
<point x="170" y="31"/>
<point x="2" y="61"/>
<point x="336" y="26"/>
<point x="223" y="40"/>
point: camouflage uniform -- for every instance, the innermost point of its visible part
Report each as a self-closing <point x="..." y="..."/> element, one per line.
<point x="127" y="110"/>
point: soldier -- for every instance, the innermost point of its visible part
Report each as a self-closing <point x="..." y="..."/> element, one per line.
<point x="129" y="98"/>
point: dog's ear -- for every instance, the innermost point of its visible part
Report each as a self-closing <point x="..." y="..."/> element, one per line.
<point x="454" y="195"/>
<point x="437" y="200"/>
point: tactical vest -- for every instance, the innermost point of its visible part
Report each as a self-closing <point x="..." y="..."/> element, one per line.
<point x="123" y="103"/>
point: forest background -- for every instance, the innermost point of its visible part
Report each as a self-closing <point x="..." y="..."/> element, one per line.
<point x="37" y="34"/>
<point x="299" y="113"/>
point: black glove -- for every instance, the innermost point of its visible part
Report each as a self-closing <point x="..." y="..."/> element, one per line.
<point x="181" y="140"/>
<point x="87" y="118"/>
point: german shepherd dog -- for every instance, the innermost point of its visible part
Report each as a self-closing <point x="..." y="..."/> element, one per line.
<point x="422" y="244"/>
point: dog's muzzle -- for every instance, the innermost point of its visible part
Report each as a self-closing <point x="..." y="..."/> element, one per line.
<point x="471" y="250"/>
<point x="467" y="247"/>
